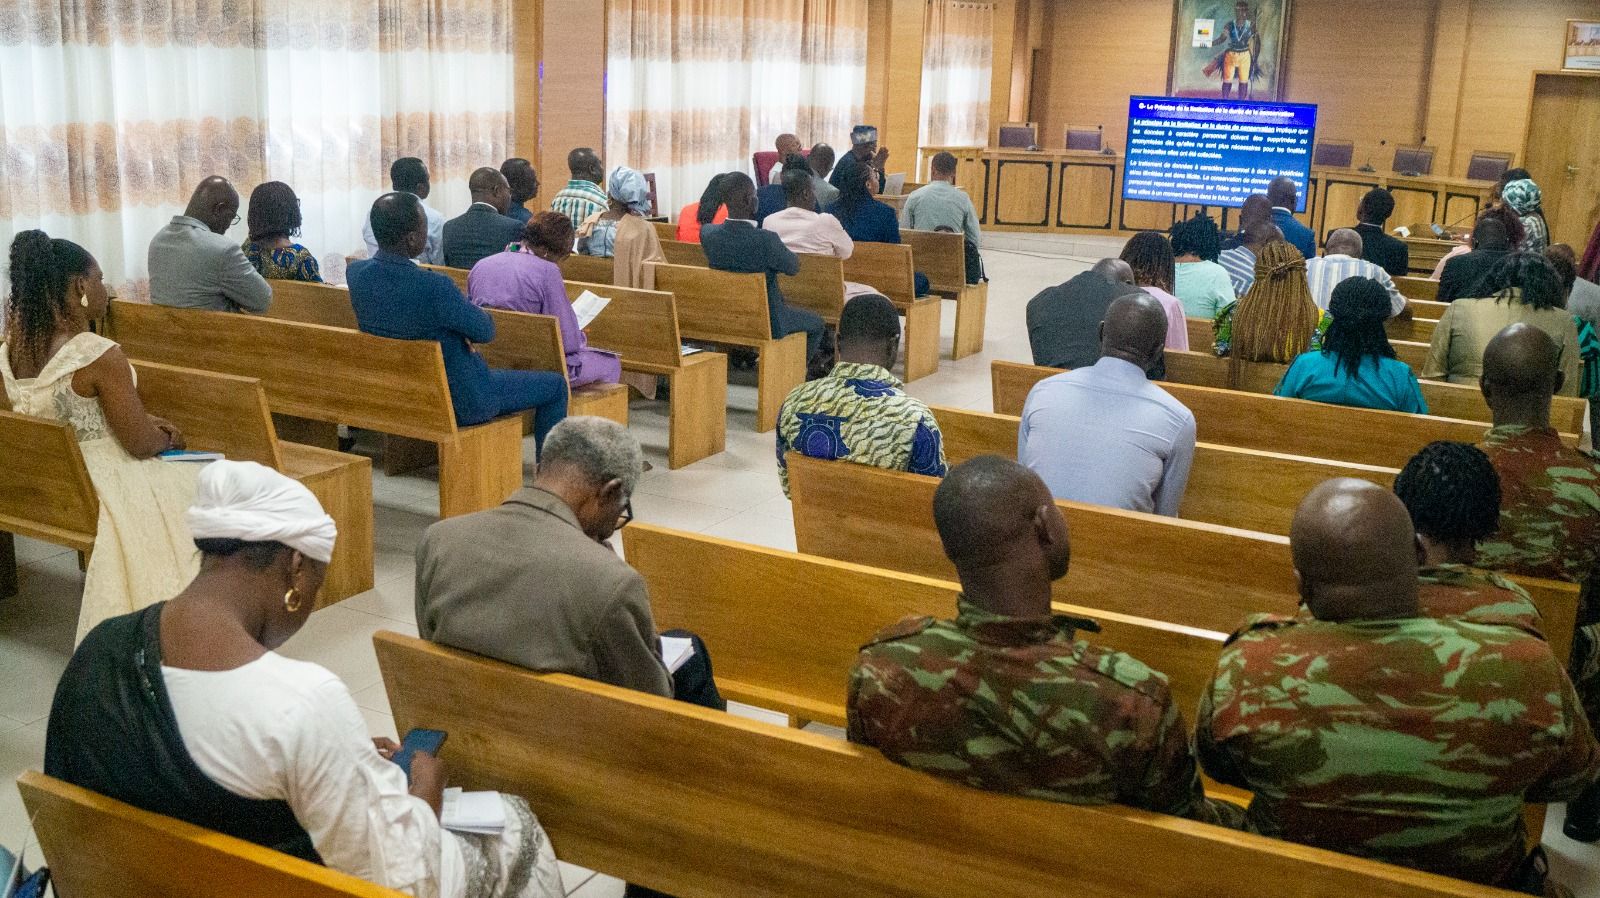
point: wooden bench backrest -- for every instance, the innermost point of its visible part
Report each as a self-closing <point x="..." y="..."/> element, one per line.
<point x="681" y="253"/>
<point x="886" y="267"/>
<point x="818" y="287"/>
<point x="786" y="627"/>
<point x="99" y="847"/>
<point x="309" y="371"/>
<point x="458" y="275"/>
<point x="721" y="306"/>
<point x="216" y="412"/>
<point x="699" y="803"/>
<point x="312" y="304"/>
<point x="665" y="230"/>
<point x="639" y="325"/>
<point x="589" y="269"/>
<point x="525" y="342"/>
<point x="942" y="256"/>
<point x="1418" y="288"/>
<point x="46" y="492"/>
<point x="1202" y="335"/>
<point x="1246" y="488"/>
<point x="1426" y="308"/>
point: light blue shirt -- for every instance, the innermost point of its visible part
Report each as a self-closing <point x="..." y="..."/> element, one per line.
<point x="1204" y="288"/>
<point x="942" y="204"/>
<point x="1389" y="385"/>
<point x="432" y="252"/>
<point x="1108" y="436"/>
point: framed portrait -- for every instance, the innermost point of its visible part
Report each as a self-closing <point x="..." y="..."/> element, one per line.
<point x="1583" y="46"/>
<point x="1231" y="49"/>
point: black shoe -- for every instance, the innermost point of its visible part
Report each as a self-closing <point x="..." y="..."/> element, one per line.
<point x="1583" y="816"/>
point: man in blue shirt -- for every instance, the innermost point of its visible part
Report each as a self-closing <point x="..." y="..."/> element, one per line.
<point x="738" y="245"/>
<point x="1282" y="193"/>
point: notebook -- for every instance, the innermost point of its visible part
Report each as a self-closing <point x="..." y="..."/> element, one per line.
<point x="482" y="813"/>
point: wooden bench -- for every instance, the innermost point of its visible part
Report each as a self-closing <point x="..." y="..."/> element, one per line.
<point x="1418" y="288"/>
<point x="680" y="253"/>
<point x="45" y="492"/>
<point x="887" y="268"/>
<point x="589" y="269"/>
<point x="1417" y="330"/>
<point x="942" y="256"/>
<point x="703" y="804"/>
<point x="1246" y="488"/>
<point x="526" y="342"/>
<point x="98" y="847"/>
<point x="1011" y="382"/>
<point x="1415" y="354"/>
<point x="665" y="230"/>
<point x="336" y="376"/>
<point x="727" y="308"/>
<point x="1426" y="308"/>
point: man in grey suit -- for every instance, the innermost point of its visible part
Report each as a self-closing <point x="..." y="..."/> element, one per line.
<point x="533" y="582"/>
<point x="484" y="229"/>
<point x="193" y="265"/>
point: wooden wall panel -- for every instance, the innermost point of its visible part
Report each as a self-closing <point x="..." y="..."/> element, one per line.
<point x="526" y="19"/>
<point x="572" y="100"/>
<point x="1100" y="53"/>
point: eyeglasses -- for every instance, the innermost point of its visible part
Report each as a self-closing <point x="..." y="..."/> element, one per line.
<point x="236" y="220"/>
<point x="626" y="515"/>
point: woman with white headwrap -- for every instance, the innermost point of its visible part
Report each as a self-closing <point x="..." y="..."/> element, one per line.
<point x="1525" y="199"/>
<point x="621" y="231"/>
<point x="186" y="709"/>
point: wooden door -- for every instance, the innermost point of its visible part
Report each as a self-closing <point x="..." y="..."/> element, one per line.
<point x="1563" y="153"/>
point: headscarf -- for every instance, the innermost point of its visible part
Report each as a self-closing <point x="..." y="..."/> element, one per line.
<point x="250" y="502"/>
<point x="628" y="187"/>
<point x="1522" y="196"/>
<point x="861" y="135"/>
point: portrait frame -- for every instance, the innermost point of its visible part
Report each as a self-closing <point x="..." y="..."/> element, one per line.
<point x="1581" y="46"/>
<point x="1196" y="71"/>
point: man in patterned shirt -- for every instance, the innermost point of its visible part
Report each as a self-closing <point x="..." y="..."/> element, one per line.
<point x="1006" y="697"/>
<point x="583" y="196"/>
<point x="860" y="412"/>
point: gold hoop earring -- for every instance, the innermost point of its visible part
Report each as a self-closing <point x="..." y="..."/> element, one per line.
<point x="291" y="600"/>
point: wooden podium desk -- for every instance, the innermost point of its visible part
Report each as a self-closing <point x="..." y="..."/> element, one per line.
<point x="1077" y="192"/>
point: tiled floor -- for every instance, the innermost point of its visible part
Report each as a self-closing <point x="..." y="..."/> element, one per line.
<point x="733" y="495"/>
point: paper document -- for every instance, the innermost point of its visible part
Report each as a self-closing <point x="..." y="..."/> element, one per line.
<point x="895" y="184"/>
<point x="675" y="650"/>
<point x="1205" y="31"/>
<point x="686" y="349"/>
<point x="588" y="307"/>
<point x="190" y="455"/>
<point x="473" y="812"/>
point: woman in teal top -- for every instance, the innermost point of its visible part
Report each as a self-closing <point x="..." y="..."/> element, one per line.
<point x="1356" y="365"/>
<point x="1199" y="282"/>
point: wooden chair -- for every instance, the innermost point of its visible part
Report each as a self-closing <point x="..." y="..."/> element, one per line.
<point x="336" y="376"/>
<point x="1418" y="288"/>
<point x="731" y="309"/>
<point x="887" y="268"/>
<point x="588" y="269"/>
<point x="98" y="847"/>
<point x="699" y="803"/>
<point x="942" y="256"/>
<point x="524" y="342"/>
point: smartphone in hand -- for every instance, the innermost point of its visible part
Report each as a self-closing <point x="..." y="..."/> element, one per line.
<point x="426" y="741"/>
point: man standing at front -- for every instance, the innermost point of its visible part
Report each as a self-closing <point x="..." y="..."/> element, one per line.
<point x="193" y="265"/>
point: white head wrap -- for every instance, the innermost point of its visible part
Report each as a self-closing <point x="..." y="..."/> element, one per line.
<point x="251" y="502"/>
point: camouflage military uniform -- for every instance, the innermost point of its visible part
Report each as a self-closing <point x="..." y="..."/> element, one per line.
<point x="1455" y="590"/>
<point x="1412" y="741"/>
<point x="1020" y="705"/>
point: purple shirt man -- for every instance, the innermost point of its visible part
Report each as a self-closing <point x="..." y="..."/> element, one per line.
<point x="522" y="282"/>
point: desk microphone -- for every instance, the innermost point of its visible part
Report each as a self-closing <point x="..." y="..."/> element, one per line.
<point x="1367" y="166"/>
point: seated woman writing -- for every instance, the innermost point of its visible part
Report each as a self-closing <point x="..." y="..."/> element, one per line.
<point x="1356" y="365"/>
<point x="186" y="709"/>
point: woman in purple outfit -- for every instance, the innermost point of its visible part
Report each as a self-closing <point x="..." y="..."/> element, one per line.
<point x="527" y="278"/>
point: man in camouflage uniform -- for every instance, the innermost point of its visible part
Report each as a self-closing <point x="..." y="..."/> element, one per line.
<point x="1549" y="507"/>
<point x="1005" y="697"/>
<point x="1375" y="730"/>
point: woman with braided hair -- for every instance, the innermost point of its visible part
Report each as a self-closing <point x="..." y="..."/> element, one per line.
<point x="1277" y="319"/>
<point x="1521" y="288"/>
<point x="1356" y="365"/>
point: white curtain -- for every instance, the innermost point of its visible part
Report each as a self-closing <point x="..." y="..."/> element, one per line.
<point x="111" y="111"/>
<point x="694" y="87"/>
<point x="957" y="67"/>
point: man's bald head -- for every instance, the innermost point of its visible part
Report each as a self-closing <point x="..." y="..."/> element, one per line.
<point x="1114" y="270"/>
<point x="1344" y="242"/>
<point x="489" y="186"/>
<point x="787" y="145"/>
<point x="1261" y="232"/>
<point x="584" y="164"/>
<point x="997" y="520"/>
<point x="1355" y="552"/>
<point x="1134" y="330"/>
<point x="1282" y="192"/>
<point x="215" y="203"/>
<point x="1256" y="208"/>
<point x="1521" y="372"/>
<point x="398" y="223"/>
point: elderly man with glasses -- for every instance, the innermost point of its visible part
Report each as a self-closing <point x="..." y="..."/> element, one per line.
<point x="194" y="265"/>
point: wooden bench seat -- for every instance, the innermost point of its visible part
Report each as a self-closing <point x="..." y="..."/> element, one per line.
<point x="1418" y="288"/>
<point x="887" y="268"/>
<point x="702" y="804"/>
<point x="1414" y="354"/>
<point x="525" y="342"/>
<point x="337" y="376"/>
<point x="942" y="256"/>
<point x="98" y="847"/>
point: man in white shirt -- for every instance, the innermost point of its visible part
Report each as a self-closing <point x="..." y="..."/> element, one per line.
<point x="410" y="174"/>
<point x="1342" y="261"/>
<point x="941" y="204"/>
<point x="1105" y="434"/>
<point x="787" y="145"/>
<point x="808" y="232"/>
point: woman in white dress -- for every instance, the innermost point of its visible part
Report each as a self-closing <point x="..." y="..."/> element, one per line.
<point x="186" y="709"/>
<point x="55" y="368"/>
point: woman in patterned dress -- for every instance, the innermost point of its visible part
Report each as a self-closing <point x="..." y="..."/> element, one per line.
<point x="274" y="221"/>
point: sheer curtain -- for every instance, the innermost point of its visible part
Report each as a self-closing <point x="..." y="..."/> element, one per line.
<point x="958" y="51"/>
<point x="111" y="112"/>
<point x="695" y="86"/>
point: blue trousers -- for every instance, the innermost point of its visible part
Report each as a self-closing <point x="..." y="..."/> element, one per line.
<point x="543" y="391"/>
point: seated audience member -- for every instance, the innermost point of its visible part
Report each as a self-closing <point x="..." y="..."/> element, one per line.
<point x="1525" y="199"/>
<point x="524" y="183"/>
<point x="1150" y="256"/>
<point x="1466" y="274"/>
<point x="408" y="174"/>
<point x="948" y="696"/>
<point x="1523" y="287"/>
<point x="941" y="204"/>
<point x="396" y="299"/>
<point x="1378" y="246"/>
<point x="193" y="264"/>
<point x="484" y="229"/>
<point x="186" y="709"/>
<point x="821" y="164"/>
<point x="738" y="245"/>
<point x="1105" y="434"/>
<point x="806" y="231"/>
<point x="1339" y="373"/>
<point x="772" y="197"/>
<point x="1583" y="302"/>
<point x="1276" y="320"/>
<point x="583" y="196"/>
<point x="1064" y="320"/>
<point x="534" y="582"/>
<point x="1283" y="194"/>
<point x="708" y="210"/>
<point x="860" y="412"/>
<point x="274" y="222"/>
<point x="786" y="145"/>
<point x="54" y="368"/>
<point x="1372" y="729"/>
<point x="1202" y="285"/>
<point x="1452" y="493"/>
<point x="621" y="232"/>
<point x="1514" y="235"/>
<point x="1240" y="261"/>
<point x="1342" y="260"/>
<point x="865" y="218"/>
<point x="529" y="280"/>
<point x="1256" y="207"/>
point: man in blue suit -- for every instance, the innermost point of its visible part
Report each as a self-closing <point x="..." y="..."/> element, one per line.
<point x="1281" y="192"/>
<point x="484" y="229"/>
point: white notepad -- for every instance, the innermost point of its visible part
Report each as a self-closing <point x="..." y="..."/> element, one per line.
<point x="588" y="307"/>
<point x="482" y="813"/>
<point x="675" y="650"/>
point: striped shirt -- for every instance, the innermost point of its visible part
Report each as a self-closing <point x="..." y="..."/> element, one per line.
<point x="1241" y="264"/>
<point x="1326" y="272"/>
<point x="579" y="200"/>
